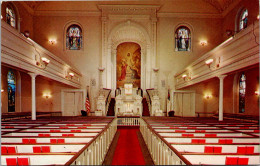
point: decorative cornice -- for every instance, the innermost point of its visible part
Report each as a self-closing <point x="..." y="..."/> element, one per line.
<point x="129" y="9"/>
<point x="67" y="13"/>
<point x="189" y="15"/>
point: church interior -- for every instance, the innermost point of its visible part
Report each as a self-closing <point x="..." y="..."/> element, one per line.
<point x="130" y="82"/>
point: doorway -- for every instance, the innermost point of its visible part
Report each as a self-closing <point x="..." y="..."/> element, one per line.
<point x="72" y="102"/>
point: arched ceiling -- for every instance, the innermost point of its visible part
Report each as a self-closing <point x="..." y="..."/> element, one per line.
<point x="192" y="6"/>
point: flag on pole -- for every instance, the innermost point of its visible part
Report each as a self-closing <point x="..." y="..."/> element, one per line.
<point x="87" y="104"/>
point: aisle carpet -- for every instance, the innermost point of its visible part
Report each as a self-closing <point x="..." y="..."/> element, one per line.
<point x="128" y="150"/>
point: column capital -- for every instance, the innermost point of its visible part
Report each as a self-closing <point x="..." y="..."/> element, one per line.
<point x="221" y="76"/>
<point x="33" y="75"/>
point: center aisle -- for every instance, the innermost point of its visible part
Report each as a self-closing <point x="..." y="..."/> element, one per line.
<point x="128" y="150"/>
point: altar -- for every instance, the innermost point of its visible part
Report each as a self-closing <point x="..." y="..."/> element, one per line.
<point x="128" y="103"/>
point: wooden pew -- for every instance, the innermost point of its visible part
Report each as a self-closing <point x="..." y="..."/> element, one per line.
<point x="216" y="159"/>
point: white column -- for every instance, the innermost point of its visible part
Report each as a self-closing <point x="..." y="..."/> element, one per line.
<point x="101" y="69"/>
<point x="220" y="110"/>
<point x="156" y="78"/>
<point x="33" y="76"/>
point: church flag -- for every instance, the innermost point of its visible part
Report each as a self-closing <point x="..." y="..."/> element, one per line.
<point x="87" y="104"/>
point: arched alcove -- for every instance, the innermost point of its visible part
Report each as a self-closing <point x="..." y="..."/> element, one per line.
<point x="129" y="31"/>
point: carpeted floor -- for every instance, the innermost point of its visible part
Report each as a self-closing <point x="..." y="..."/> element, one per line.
<point x="128" y="150"/>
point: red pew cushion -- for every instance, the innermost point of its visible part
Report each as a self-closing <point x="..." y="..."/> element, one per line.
<point x="32" y="141"/>
<point x="60" y="141"/>
<point x="11" y="149"/>
<point x="208" y="149"/>
<point x="3" y="149"/>
<point x="23" y="161"/>
<point x="229" y="141"/>
<point x="250" y="149"/>
<point x="210" y="135"/>
<point x="37" y="149"/>
<point x="46" y="149"/>
<point x="54" y="141"/>
<point x="25" y="140"/>
<point x="241" y="150"/>
<point x="231" y="160"/>
<point x="11" y="161"/>
<point x="242" y="161"/>
<point x="217" y="149"/>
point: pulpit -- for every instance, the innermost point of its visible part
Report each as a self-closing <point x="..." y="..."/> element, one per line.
<point x="128" y="103"/>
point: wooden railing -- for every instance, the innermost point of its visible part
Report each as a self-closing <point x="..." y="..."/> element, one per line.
<point x="161" y="151"/>
<point x="95" y="151"/>
<point x="128" y="121"/>
<point x="108" y="99"/>
<point x="24" y="53"/>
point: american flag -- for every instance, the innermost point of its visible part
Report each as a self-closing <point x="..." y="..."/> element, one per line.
<point x="87" y="103"/>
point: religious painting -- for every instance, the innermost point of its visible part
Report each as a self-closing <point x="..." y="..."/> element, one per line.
<point x="74" y="38"/>
<point x="128" y="64"/>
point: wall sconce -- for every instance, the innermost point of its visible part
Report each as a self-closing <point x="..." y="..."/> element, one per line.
<point x="101" y="69"/>
<point x="71" y="75"/>
<point x="203" y="43"/>
<point x="257" y="17"/>
<point x="43" y="62"/>
<point x="155" y="69"/>
<point x="46" y="95"/>
<point x="208" y="96"/>
<point x="2" y="90"/>
<point x="209" y="62"/>
<point x="184" y="76"/>
<point x="257" y="93"/>
<point x="52" y="41"/>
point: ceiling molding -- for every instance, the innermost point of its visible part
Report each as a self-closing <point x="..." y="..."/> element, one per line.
<point x="190" y="15"/>
<point x="67" y="13"/>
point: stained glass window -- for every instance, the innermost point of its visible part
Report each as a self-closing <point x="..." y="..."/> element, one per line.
<point x="10" y="16"/>
<point x="182" y="39"/>
<point x="11" y="90"/>
<point x="243" y="20"/>
<point x="74" y="38"/>
<point x="242" y="92"/>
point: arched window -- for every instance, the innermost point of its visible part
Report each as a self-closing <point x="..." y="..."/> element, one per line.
<point x="11" y="81"/>
<point x="243" y="20"/>
<point x="182" y="39"/>
<point x="242" y="92"/>
<point x="10" y="16"/>
<point x="74" y="37"/>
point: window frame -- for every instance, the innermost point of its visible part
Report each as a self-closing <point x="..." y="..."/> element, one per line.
<point x="189" y="38"/>
<point x="66" y="36"/>
<point x="241" y="106"/>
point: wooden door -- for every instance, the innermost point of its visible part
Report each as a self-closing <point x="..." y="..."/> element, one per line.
<point x="72" y="103"/>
